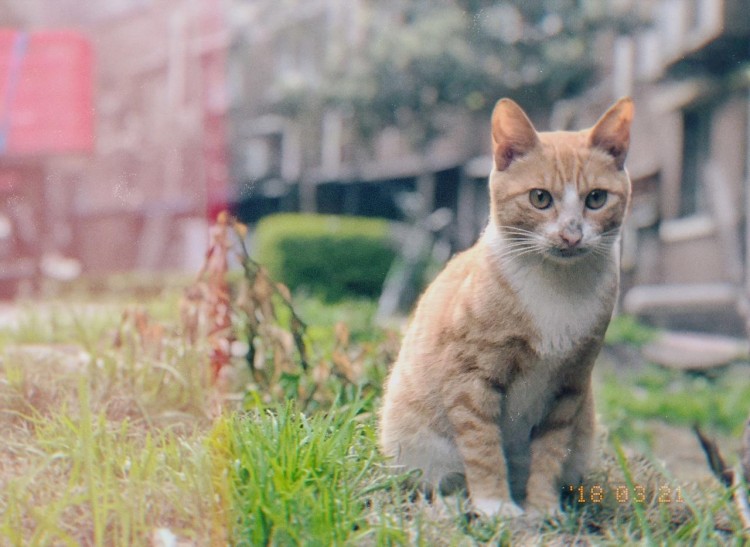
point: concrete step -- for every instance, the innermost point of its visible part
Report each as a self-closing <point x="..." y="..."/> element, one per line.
<point x="695" y="351"/>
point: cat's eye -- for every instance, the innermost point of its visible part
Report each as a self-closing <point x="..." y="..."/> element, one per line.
<point x="541" y="199"/>
<point x="596" y="199"/>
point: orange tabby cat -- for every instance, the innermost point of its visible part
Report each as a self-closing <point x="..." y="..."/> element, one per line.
<point x="492" y="387"/>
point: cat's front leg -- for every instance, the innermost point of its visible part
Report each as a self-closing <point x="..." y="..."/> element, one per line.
<point x="473" y="413"/>
<point x="567" y="429"/>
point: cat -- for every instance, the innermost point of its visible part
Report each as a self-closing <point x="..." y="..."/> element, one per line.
<point x="491" y="389"/>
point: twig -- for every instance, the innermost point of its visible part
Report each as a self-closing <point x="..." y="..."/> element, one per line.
<point x="732" y="478"/>
<point x="715" y="461"/>
<point x="740" y="499"/>
<point x="258" y="270"/>
<point x="298" y="326"/>
<point x="745" y="451"/>
<point x="247" y="259"/>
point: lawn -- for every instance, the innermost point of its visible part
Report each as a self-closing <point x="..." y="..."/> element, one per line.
<point x="113" y="434"/>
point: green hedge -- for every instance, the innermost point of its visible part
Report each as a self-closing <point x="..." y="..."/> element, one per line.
<point x="331" y="256"/>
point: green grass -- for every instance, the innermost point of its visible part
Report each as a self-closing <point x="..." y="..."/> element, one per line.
<point x="318" y="480"/>
<point x="626" y="329"/>
<point x="718" y="404"/>
<point x="105" y="444"/>
<point x="301" y="479"/>
<point x="86" y="478"/>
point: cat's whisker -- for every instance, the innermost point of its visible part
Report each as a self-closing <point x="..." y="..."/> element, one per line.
<point x="513" y="231"/>
<point x="512" y="254"/>
<point x="517" y="239"/>
<point x="536" y="240"/>
<point x="604" y="246"/>
<point x="521" y="242"/>
<point x="614" y="233"/>
<point x="601" y="251"/>
<point x="516" y="254"/>
<point x="520" y="235"/>
<point x="521" y="245"/>
<point x="523" y="235"/>
<point x="525" y="248"/>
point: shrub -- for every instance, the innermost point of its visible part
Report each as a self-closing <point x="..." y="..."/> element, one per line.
<point x="332" y="256"/>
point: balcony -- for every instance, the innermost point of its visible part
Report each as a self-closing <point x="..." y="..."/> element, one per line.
<point x="705" y="31"/>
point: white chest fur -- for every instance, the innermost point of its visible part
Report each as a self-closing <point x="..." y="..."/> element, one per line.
<point x="563" y="310"/>
<point x="566" y="302"/>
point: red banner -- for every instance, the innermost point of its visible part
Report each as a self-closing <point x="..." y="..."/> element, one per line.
<point x="46" y="93"/>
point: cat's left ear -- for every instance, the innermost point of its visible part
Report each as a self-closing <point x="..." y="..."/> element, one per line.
<point x="612" y="132"/>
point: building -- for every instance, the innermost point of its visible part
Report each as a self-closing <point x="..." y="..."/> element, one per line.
<point x="38" y="136"/>
<point x="689" y="73"/>
<point x="140" y="198"/>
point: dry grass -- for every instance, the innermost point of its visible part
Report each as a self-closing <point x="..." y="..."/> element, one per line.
<point x="104" y="442"/>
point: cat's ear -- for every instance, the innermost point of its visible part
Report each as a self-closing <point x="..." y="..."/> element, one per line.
<point x="513" y="134"/>
<point x="612" y="132"/>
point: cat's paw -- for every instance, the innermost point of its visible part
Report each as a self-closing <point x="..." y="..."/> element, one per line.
<point x="491" y="507"/>
<point x="547" y="511"/>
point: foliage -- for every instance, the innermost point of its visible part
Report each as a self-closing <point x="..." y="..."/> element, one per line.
<point x="277" y="340"/>
<point x="341" y="368"/>
<point x="626" y="329"/>
<point x="330" y="256"/>
<point x="112" y="435"/>
<point x="417" y="61"/>
<point x="658" y="393"/>
<point x="318" y="480"/>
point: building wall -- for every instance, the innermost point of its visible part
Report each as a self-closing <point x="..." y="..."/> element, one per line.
<point x="159" y="164"/>
<point x="692" y="104"/>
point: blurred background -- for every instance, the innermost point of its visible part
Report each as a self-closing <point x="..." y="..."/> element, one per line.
<point x="127" y="125"/>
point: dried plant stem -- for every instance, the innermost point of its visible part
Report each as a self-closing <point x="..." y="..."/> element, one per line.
<point x="206" y="305"/>
<point x="745" y="451"/>
<point x="740" y="498"/>
<point x="251" y="269"/>
<point x="731" y="477"/>
<point x="715" y="461"/>
<point x="247" y="260"/>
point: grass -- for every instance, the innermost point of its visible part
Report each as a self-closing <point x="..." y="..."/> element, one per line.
<point x="102" y="444"/>
<point x="626" y="329"/>
<point x="717" y="404"/>
<point x="80" y="477"/>
<point x="318" y="480"/>
<point x="107" y="443"/>
<point x="302" y="479"/>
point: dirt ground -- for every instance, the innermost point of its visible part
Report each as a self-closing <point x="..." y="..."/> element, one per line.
<point x="679" y="449"/>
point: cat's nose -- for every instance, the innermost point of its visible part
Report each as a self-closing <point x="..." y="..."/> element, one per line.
<point x="571" y="236"/>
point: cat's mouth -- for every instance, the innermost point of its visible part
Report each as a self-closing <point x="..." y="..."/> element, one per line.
<point x="567" y="254"/>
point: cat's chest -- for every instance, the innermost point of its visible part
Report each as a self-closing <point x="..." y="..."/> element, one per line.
<point x="564" y="312"/>
<point x="527" y="398"/>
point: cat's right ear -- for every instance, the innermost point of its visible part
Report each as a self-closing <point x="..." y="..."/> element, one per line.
<point x="612" y="132"/>
<point x="513" y="134"/>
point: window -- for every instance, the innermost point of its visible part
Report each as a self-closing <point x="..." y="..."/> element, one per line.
<point x="694" y="159"/>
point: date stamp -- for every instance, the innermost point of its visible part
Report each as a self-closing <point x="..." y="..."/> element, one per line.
<point x="597" y="493"/>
